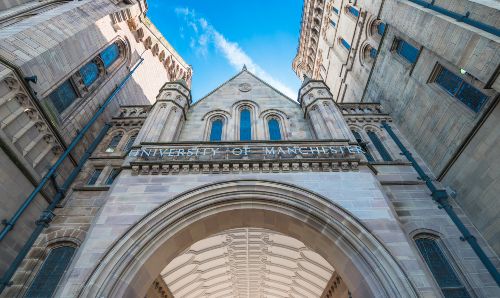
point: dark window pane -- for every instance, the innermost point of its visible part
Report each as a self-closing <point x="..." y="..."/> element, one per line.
<point x="274" y="130"/>
<point x="333" y="24"/>
<point x="373" y="52"/>
<point x="245" y="125"/>
<point x="110" y="55"/>
<point x="89" y="73"/>
<point x="408" y="51"/>
<point x="63" y="96"/>
<point x="335" y="10"/>
<point x="130" y="143"/>
<point x="345" y="43"/>
<point x="114" y="143"/>
<point x="381" y="28"/>
<point x="112" y="176"/>
<point x="441" y="269"/>
<point x="472" y="97"/>
<point x="353" y="11"/>
<point x="449" y="81"/>
<point x="363" y="146"/>
<point x="216" y="131"/>
<point x="380" y="147"/>
<point x="95" y="175"/>
<point x="51" y="272"/>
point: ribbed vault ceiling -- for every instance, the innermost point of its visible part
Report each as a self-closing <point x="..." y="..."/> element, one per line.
<point x="248" y="262"/>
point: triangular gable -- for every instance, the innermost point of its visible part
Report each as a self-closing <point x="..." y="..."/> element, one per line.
<point x="254" y="76"/>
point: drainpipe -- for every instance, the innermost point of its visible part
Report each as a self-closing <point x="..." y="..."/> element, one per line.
<point x="47" y="215"/>
<point x="9" y="225"/>
<point x="441" y="197"/>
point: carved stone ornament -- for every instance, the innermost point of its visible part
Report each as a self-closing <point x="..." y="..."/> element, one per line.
<point x="245" y="87"/>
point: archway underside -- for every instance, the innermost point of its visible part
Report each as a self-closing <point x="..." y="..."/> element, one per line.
<point x="248" y="262"/>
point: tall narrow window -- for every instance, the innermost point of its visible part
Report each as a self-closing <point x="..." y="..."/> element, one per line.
<point x="363" y="146"/>
<point x="458" y="88"/>
<point x="95" y="175"/>
<point x="245" y="125"/>
<point x="89" y="73"/>
<point x="373" y="53"/>
<point x="50" y="273"/>
<point x="110" y="55"/>
<point x="353" y="11"/>
<point x="333" y="23"/>
<point x="274" y="130"/>
<point x="407" y="51"/>
<point x="335" y="10"/>
<point x="381" y="28"/>
<point x="114" y="143"/>
<point x="345" y="44"/>
<point x="443" y="273"/>
<point x="130" y="143"/>
<point x="112" y="176"/>
<point x="380" y="147"/>
<point x="63" y="96"/>
<point x="216" y="130"/>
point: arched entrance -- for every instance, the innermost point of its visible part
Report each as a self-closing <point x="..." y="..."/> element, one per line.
<point x="137" y="258"/>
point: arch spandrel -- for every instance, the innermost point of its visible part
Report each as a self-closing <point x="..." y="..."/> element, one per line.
<point x="137" y="258"/>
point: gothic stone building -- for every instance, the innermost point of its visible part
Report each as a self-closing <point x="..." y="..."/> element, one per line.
<point x="243" y="193"/>
<point x="248" y="193"/>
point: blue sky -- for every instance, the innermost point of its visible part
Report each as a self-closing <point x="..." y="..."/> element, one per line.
<point x="218" y="36"/>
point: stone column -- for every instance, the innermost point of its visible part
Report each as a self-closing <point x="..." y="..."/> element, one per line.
<point x="322" y="111"/>
<point x="166" y="117"/>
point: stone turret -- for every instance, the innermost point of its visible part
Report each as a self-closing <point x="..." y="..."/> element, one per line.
<point x="167" y="115"/>
<point x="323" y="113"/>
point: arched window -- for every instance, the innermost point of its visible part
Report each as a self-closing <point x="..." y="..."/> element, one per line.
<point x="216" y="130"/>
<point x="130" y="142"/>
<point x="380" y="147"/>
<point x="63" y="96"/>
<point x="114" y="143"/>
<point x="274" y="130"/>
<point x="245" y="125"/>
<point x="363" y="146"/>
<point x="110" y="55"/>
<point x="89" y="73"/>
<point x="441" y="269"/>
<point x="52" y="270"/>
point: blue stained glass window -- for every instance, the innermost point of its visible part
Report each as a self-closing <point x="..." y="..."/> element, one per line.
<point x="112" y="176"/>
<point x="345" y="44"/>
<point x="245" y="125"/>
<point x="373" y="52"/>
<point x="381" y="28"/>
<point x="333" y="24"/>
<point x="380" y="147"/>
<point x="335" y="10"/>
<point x="89" y="73"/>
<point x="445" y="276"/>
<point x="354" y="11"/>
<point x="63" y="96"/>
<point x="274" y="130"/>
<point x="130" y="143"/>
<point x="216" y="130"/>
<point x="407" y="51"/>
<point x="110" y="55"/>
<point x="363" y="146"/>
<point x="114" y="143"/>
<point x="50" y="273"/>
<point x="460" y="89"/>
<point x="95" y="175"/>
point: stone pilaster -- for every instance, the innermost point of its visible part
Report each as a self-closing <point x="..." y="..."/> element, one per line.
<point x="167" y="115"/>
<point x="323" y="113"/>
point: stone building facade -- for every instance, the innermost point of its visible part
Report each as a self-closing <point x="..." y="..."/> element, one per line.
<point x="59" y="62"/>
<point x="213" y="198"/>
<point x="433" y="65"/>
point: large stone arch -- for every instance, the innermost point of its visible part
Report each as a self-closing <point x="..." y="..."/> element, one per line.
<point x="136" y="259"/>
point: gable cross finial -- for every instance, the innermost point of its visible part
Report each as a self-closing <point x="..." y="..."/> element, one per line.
<point x="244" y="67"/>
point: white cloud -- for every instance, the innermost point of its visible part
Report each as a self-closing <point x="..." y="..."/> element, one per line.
<point x="232" y="51"/>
